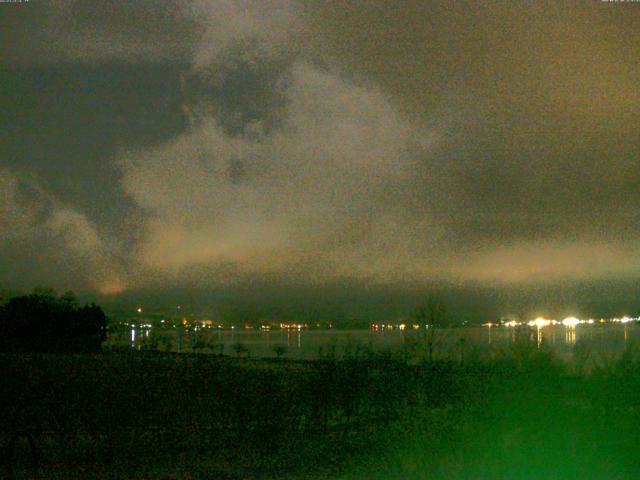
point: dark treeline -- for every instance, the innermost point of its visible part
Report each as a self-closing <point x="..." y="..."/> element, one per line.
<point x="44" y="322"/>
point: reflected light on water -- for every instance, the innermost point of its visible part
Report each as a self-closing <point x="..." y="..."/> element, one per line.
<point x="612" y="335"/>
<point x="570" y="335"/>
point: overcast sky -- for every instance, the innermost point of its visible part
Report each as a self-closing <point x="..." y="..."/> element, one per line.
<point x="177" y="146"/>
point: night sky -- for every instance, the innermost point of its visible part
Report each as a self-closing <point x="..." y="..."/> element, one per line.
<point x="324" y="158"/>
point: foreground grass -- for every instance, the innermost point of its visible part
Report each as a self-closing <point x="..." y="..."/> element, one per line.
<point x="521" y="415"/>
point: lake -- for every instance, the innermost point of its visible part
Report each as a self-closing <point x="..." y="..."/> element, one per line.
<point x="599" y="342"/>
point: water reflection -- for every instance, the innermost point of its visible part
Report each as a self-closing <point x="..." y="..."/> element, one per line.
<point x="136" y="340"/>
<point x="570" y="335"/>
<point x="306" y="344"/>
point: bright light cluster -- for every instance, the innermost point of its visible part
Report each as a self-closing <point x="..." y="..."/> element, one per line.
<point x="625" y="319"/>
<point x="567" y="322"/>
<point x="570" y="322"/>
<point x="540" y="322"/>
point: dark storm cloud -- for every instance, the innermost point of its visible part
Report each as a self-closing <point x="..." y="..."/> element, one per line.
<point x="79" y="30"/>
<point x="542" y="141"/>
<point x="536" y="170"/>
<point x="400" y="143"/>
<point x="63" y="123"/>
<point x="244" y="91"/>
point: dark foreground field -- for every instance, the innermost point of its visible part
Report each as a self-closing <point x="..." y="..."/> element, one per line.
<point x="522" y="415"/>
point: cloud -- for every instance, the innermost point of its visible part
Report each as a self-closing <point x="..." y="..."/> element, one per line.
<point x="544" y="261"/>
<point x="43" y="240"/>
<point x="300" y="171"/>
<point x="15" y="219"/>
<point x="199" y="31"/>
<point x="84" y="251"/>
<point x="300" y="197"/>
<point x="258" y="29"/>
<point x="438" y="141"/>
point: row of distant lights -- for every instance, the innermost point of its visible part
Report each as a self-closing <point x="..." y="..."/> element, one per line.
<point x="137" y="325"/>
<point x="567" y="322"/>
<point x="402" y="326"/>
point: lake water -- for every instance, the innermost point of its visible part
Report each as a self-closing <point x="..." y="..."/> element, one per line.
<point x="596" y="342"/>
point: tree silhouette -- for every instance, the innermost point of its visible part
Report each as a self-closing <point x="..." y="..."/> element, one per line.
<point x="432" y="316"/>
<point x="240" y="349"/>
<point x="279" y="350"/>
<point x="43" y="322"/>
<point x="69" y="298"/>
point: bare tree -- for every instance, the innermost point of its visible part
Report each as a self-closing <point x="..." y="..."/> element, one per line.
<point x="279" y="350"/>
<point x="432" y="316"/>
